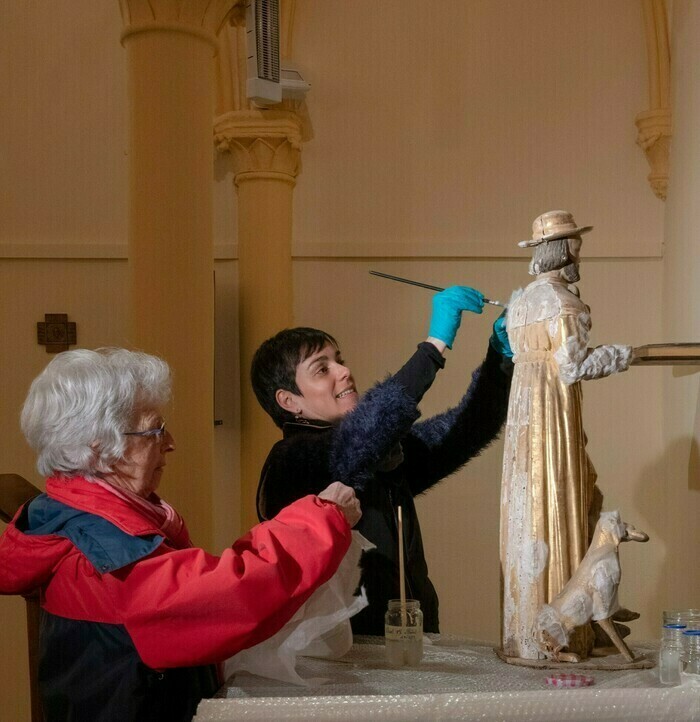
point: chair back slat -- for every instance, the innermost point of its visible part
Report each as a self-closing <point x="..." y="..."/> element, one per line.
<point x="15" y="490"/>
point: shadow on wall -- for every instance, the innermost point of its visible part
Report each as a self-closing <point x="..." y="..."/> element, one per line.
<point x="675" y="478"/>
<point x="694" y="455"/>
<point x="694" y="464"/>
<point x="691" y="473"/>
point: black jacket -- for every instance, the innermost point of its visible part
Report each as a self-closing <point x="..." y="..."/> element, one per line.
<point x="389" y="459"/>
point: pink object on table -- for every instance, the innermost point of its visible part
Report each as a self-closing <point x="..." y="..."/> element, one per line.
<point x="569" y="680"/>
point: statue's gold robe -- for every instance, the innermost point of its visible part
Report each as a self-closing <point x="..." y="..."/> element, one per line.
<point x="548" y="479"/>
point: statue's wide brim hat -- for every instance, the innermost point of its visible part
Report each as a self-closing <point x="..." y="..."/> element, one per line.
<point x="552" y="226"/>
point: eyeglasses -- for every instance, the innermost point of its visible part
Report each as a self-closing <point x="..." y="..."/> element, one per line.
<point x="158" y="433"/>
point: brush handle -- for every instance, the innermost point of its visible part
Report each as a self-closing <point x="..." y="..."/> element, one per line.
<point x="402" y="582"/>
<point x="425" y="285"/>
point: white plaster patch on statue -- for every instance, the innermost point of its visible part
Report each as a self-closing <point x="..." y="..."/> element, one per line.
<point x="515" y="297"/>
<point x="572" y="352"/>
<point x="509" y="459"/>
<point x="508" y="601"/>
<point x="518" y="568"/>
<point x="548" y="621"/>
<point x="517" y="503"/>
<point x="542" y="302"/>
<point x="607" y="360"/>
<point x="517" y="312"/>
<point x="576" y="361"/>
<point x="519" y="408"/>
<point x="524" y="405"/>
<point x="535" y="557"/>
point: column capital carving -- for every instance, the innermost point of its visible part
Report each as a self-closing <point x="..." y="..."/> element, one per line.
<point x="654" y="138"/>
<point x="654" y="125"/>
<point x="201" y="18"/>
<point x="261" y="143"/>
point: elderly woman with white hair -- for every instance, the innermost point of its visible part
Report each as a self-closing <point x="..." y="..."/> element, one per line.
<point x="135" y="618"/>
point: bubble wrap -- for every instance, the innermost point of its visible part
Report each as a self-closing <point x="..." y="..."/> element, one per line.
<point x="456" y="680"/>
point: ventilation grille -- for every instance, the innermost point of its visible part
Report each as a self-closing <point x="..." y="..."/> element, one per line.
<point x="267" y="37"/>
<point x="263" y="85"/>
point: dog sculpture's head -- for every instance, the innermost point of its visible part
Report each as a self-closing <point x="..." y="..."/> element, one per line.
<point x="610" y="527"/>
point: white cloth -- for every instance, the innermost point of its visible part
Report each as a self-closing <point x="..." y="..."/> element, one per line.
<point x="320" y="628"/>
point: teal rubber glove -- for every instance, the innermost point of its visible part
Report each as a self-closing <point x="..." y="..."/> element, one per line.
<point x="447" y="311"/>
<point x="499" y="337"/>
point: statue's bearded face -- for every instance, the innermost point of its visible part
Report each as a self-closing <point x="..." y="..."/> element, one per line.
<point x="574" y="248"/>
<point x="570" y="272"/>
<point x="560" y="255"/>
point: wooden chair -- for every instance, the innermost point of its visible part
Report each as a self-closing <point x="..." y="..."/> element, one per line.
<point x="15" y="491"/>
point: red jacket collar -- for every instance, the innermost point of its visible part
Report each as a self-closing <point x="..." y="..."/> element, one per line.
<point x="79" y="493"/>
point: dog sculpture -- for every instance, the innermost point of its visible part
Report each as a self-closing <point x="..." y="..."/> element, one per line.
<point x="591" y="593"/>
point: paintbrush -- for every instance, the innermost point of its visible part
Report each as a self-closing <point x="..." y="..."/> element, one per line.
<point x="427" y="285"/>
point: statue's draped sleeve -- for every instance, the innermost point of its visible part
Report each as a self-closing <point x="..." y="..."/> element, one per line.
<point x="576" y="361"/>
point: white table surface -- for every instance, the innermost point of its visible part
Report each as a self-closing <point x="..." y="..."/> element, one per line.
<point x="456" y="680"/>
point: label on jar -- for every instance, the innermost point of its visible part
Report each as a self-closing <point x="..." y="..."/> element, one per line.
<point x="403" y="634"/>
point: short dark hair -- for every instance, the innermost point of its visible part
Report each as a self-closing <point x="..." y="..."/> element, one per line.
<point x="274" y="366"/>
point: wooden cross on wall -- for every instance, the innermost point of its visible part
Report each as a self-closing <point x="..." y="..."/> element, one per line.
<point x="56" y="332"/>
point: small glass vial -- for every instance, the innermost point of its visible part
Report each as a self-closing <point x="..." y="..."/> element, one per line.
<point x="403" y="633"/>
<point x="689" y="617"/>
<point x="690" y="657"/>
<point x="670" y="654"/>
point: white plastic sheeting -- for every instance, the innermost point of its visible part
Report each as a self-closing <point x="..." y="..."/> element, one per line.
<point x="455" y="681"/>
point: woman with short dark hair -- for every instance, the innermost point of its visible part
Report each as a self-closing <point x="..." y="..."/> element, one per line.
<point x="373" y="442"/>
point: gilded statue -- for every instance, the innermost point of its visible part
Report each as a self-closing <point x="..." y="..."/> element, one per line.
<point x="548" y="485"/>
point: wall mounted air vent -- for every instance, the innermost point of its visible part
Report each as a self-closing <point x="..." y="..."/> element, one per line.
<point x="263" y="43"/>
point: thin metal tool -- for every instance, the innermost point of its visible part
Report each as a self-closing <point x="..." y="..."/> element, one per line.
<point x="427" y="285"/>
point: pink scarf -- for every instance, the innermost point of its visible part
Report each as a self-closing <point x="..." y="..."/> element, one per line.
<point x="158" y="512"/>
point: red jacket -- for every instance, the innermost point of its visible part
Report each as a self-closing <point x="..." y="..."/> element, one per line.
<point x="180" y="606"/>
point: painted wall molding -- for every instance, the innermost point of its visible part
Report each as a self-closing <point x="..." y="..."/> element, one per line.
<point x="302" y="251"/>
<point x="91" y="251"/>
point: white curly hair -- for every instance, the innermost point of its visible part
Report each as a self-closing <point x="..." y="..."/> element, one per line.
<point x="80" y="405"/>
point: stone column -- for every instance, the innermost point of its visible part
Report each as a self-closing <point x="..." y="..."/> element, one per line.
<point x="170" y="47"/>
<point x="265" y="149"/>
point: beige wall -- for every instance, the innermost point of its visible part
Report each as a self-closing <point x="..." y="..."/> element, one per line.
<point x="441" y="130"/>
<point x="681" y="307"/>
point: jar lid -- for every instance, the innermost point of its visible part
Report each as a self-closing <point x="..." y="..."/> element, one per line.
<point x="410" y="604"/>
<point x="675" y="626"/>
<point x="692" y="632"/>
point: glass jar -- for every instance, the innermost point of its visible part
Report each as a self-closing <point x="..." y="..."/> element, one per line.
<point x="670" y="654"/>
<point x="403" y="633"/>
<point x="690" y="657"/>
